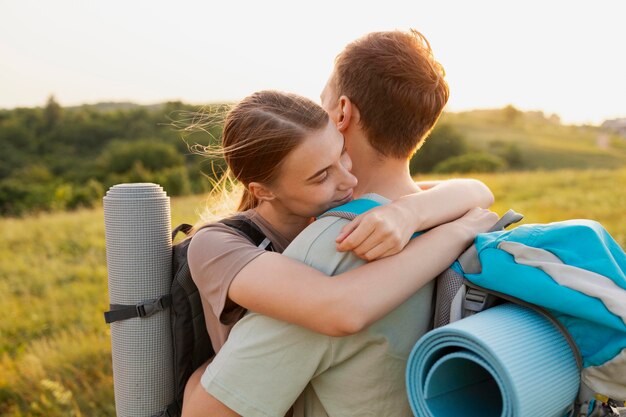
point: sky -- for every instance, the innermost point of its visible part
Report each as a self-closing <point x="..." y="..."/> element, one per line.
<point x="563" y="57"/>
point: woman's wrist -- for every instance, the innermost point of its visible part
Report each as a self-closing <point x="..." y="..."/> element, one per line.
<point x="410" y="208"/>
<point x="459" y="231"/>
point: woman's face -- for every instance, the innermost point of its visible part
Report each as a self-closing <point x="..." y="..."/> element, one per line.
<point x="315" y="176"/>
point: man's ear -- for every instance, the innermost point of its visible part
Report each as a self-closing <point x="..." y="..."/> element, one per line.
<point x="260" y="191"/>
<point x="348" y="114"/>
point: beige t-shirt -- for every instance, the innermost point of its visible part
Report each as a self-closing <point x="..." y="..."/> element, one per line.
<point x="216" y="255"/>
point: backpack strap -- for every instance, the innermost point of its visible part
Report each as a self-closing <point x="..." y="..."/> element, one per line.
<point x="183" y="227"/>
<point x="248" y="229"/>
<point x="145" y="308"/>
<point x="351" y="209"/>
<point x="476" y="299"/>
<point x="469" y="260"/>
<point x="173" y="410"/>
<point x="453" y="299"/>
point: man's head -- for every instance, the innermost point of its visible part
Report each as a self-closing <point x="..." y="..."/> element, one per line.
<point x="395" y="86"/>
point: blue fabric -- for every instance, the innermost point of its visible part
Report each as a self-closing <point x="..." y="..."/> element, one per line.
<point x="597" y="344"/>
<point x="598" y="333"/>
<point x="358" y="206"/>
<point x="506" y="361"/>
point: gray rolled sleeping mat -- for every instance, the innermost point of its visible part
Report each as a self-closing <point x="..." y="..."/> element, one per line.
<point x="139" y="262"/>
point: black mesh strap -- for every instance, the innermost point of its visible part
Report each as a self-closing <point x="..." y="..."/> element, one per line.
<point x="145" y="308"/>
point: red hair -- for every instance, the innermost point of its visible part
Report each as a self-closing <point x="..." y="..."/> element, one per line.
<point x="398" y="87"/>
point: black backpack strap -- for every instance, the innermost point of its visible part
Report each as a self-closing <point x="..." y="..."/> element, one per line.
<point x="145" y="308"/>
<point x="183" y="227"/>
<point x="249" y="230"/>
<point x="173" y="410"/>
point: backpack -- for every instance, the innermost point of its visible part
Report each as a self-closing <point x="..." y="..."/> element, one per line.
<point x="190" y="341"/>
<point x="475" y="283"/>
<point x="577" y="255"/>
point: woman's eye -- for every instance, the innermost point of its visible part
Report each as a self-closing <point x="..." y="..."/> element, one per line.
<point x="322" y="178"/>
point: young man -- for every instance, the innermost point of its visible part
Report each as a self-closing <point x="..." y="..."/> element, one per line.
<point x="385" y="95"/>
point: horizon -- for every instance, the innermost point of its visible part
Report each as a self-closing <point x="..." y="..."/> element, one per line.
<point x="135" y="103"/>
<point x="558" y="58"/>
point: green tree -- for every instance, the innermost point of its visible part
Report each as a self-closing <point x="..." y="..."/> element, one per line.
<point x="508" y="151"/>
<point x="52" y="113"/>
<point x="120" y="157"/>
<point x="471" y="162"/>
<point x="444" y="142"/>
<point x="510" y="114"/>
<point x="175" y="181"/>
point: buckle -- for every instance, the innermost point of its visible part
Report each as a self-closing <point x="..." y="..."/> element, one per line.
<point x="475" y="300"/>
<point x="149" y="307"/>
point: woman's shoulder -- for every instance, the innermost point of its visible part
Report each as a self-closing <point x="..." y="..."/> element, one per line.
<point x="216" y="232"/>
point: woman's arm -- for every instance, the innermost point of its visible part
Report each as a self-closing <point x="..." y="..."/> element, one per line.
<point x="427" y="185"/>
<point x="291" y="291"/>
<point x="385" y="230"/>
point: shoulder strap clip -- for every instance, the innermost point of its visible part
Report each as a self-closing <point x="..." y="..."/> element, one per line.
<point x="476" y="300"/>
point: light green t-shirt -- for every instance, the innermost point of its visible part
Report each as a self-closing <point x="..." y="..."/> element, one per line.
<point x="267" y="364"/>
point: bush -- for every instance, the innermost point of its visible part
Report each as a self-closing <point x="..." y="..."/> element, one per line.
<point x="471" y="162"/>
<point x="175" y="181"/>
<point x="443" y="143"/>
<point x="17" y="198"/>
<point x="71" y="196"/>
<point x="120" y="157"/>
<point x="510" y="152"/>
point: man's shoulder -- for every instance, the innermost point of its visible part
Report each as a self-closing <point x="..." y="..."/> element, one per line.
<point x="316" y="247"/>
<point x="320" y="233"/>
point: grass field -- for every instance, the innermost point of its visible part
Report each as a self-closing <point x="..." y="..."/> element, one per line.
<point x="55" y="347"/>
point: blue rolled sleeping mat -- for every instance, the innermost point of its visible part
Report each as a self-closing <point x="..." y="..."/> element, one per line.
<point x="506" y="361"/>
<point x="511" y="360"/>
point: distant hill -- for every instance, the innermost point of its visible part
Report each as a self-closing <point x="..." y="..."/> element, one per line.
<point x="112" y="106"/>
<point x="543" y="142"/>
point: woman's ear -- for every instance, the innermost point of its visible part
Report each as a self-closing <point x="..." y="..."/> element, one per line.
<point x="260" y="191"/>
<point x="348" y="113"/>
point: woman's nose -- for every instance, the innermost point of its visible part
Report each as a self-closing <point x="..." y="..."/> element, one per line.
<point x="348" y="180"/>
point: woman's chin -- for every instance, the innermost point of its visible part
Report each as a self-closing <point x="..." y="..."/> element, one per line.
<point x="349" y="197"/>
<point x="341" y="202"/>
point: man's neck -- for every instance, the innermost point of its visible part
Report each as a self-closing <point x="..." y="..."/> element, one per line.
<point x="387" y="177"/>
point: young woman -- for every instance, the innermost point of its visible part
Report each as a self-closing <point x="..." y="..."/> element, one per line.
<point x="291" y="160"/>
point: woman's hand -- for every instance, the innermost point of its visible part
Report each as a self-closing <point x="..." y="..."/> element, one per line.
<point x="380" y="232"/>
<point x="386" y="230"/>
<point x="477" y="220"/>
